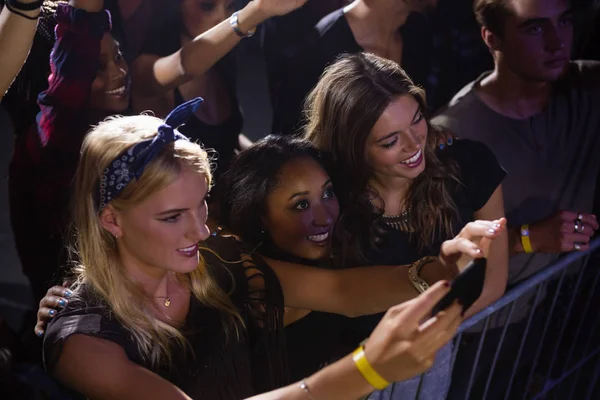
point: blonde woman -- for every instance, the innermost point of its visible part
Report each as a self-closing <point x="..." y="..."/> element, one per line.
<point x="154" y="316"/>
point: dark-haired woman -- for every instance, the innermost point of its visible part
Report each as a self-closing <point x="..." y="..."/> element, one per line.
<point x="279" y="200"/>
<point x="400" y="197"/>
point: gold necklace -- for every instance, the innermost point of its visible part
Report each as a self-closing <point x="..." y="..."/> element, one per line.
<point x="167" y="298"/>
<point x="167" y="302"/>
<point x="399" y="222"/>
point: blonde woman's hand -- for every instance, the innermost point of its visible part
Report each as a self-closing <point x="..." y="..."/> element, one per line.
<point x="271" y="8"/>
<point x="56" y="299"/>
<point x="473" y="241"/>
<point x="402" y="346"/>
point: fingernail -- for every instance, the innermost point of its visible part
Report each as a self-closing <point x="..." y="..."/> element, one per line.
<point x="52" y="313"/>
<point x="40" y="334"/>
<point x="446" y="284"/>
<point x="442" y="145"/>
<point x="68" y="293"/>
<point x="491" y="230"/>
<point x="62" y="302"/>
<point x="450" y="141"/>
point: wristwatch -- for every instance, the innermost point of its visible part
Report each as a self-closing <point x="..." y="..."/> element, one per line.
<point x="234" y="21"/>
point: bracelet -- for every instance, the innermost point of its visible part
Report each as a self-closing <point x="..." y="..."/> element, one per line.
<point x="234" y="22"/>
<point x="306" y="389"/>
<point x="15" y="7"/>
<point x="415" y="269"/>
<point x="525" y="240"/>
<point x="367" y="371"/>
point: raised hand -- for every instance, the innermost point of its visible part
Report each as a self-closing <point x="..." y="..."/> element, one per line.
<point x="473" y="241"/>
<point x="562" y="232"/>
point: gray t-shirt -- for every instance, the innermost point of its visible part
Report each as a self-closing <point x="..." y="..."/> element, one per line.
<point x="551" y="159"/>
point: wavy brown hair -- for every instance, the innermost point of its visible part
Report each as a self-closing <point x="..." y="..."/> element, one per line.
<point x="340" y="113"/>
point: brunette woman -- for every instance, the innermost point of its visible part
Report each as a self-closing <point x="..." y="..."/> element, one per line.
<point x="400" y="196"/>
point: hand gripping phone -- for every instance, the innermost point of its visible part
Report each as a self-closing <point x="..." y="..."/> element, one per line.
<point x="466" y="287"/>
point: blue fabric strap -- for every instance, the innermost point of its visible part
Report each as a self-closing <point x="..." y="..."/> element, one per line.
<point x="132" y="162"/>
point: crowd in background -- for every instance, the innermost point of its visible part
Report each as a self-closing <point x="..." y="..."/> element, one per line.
<point x="397" y="135"/>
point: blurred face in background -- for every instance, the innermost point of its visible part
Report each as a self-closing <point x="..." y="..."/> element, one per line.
<point x="198" y="16"/>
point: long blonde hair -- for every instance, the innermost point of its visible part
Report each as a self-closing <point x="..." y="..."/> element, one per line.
<point x="98" y="264"/>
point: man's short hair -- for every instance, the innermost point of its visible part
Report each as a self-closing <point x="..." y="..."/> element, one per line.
<point x="491" y="14"/>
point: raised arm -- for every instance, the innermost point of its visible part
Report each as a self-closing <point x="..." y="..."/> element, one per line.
<point x="154" y="75"/>
<point x="369" y="290"/>
<point x="74" y="64"/>
<point x="496" y="275"/>
<point x="17" y="29"/>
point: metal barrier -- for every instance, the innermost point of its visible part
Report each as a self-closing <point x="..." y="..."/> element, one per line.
<point x="553" y="353"/>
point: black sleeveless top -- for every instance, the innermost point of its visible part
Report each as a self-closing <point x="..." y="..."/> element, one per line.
<point x="314" y="341"/>
<point x="219" y="366"/>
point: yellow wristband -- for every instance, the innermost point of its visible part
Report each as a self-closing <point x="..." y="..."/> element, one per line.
<point x="374" y="379"/>
<point x="525" y="241"/>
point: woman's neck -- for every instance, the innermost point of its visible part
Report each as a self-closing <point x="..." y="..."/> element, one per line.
<point x="393" y="192"/>
<point x="152" y="280"/>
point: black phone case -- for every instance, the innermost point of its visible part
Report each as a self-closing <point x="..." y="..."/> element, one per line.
<point x="467" y="287"/>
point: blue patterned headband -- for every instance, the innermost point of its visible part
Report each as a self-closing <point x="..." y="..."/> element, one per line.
<point x="132" y="162"/>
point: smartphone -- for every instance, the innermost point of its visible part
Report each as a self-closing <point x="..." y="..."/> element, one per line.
<point x="466" y="288"/>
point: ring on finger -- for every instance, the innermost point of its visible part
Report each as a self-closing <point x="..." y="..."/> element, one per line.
<point x="578" y="226"/>
<point x="576" y="247"/>
<point x="579" y="217"/>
